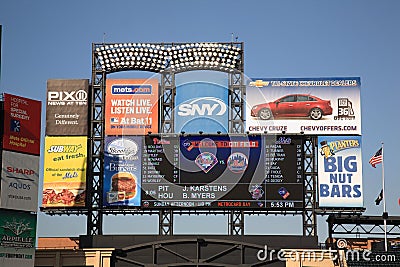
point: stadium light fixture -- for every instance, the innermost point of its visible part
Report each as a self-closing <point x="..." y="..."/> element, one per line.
<point x="159" y="57"/>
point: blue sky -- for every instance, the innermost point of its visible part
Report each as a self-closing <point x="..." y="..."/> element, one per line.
<point x="360" y="38"/>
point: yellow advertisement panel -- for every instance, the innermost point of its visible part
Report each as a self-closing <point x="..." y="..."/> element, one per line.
<point x="64" y="171"/>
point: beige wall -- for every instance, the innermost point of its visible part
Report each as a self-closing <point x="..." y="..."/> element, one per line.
<point x="312" y="258"/>
<point x="73" y="257"/>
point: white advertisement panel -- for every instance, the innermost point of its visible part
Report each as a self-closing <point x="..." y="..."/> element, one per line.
<point x="304" y="105"/>
<point x="340" y="171"/>
<point x="19" y="181"/>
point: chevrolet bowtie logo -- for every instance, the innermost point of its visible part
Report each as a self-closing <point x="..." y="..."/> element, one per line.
<point x="259" y="83"/>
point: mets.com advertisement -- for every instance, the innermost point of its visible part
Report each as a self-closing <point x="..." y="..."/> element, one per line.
<point x="304" y="105"/>
<point x="340" y="171"/>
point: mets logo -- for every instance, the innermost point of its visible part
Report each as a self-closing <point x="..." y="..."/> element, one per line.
<point x="206" y="161"/>
<point x="237" y="162"/>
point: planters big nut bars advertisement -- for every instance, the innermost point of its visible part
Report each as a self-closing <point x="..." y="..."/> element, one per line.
<point x="340" y="171"/>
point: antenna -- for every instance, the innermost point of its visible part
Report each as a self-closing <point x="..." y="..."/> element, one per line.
<point x="234" y="38"/>
<point x="104" y="37"/>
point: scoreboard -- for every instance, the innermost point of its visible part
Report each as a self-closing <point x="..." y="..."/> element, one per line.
<point x="222" y="172"/>
<point x="284" y="172"/>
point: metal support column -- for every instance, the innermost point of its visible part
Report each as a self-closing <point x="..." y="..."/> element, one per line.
<point x="95" y="165"/>
<point x="236" y="222"/>
<point x="168" y="90"/>
<point x="237" y="91"/>
<point x="166" y="222"/>
<point x="236" y="95"/>
<point x="310" y="178"/>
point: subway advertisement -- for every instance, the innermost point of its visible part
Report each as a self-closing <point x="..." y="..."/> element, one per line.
<point x="311" y="106"/>
<point x="67" y="107"/>
<point x="201" y="106"/>
<point x="64" y="182"/>
<point x="21" y="126"/>
<point x="19" y="181"/>
<point x="131" y="106"/>
<point x="17" y="238"/>
<point x="340" y="172"/>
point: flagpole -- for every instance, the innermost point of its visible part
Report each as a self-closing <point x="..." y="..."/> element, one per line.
<point x="384" y="199"/>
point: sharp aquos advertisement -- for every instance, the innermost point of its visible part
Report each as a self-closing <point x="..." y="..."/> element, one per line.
<point x="19" y="181"/>
<point x="311" y="106"/>
<point x="340" y="171"/>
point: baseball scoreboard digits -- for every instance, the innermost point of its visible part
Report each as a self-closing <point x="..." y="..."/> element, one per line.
<point x="222" y="172"/>
<point x="284" y="172"/>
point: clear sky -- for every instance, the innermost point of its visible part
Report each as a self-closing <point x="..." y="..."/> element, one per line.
<point x="282" y="38"/>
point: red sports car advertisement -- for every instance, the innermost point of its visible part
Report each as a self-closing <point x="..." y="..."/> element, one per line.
<point x="21" y="124"/>
<point x="304" y="105"/>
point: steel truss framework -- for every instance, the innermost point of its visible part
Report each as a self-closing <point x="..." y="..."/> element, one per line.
<point x="310" y="178"/>
<point x="168" y="59"/>
<point x="193" y="252"/>
<point x="357" y="225"/>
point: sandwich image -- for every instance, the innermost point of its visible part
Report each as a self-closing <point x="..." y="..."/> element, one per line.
<point x="64" y="194"/>
<point x="125" y="184"/>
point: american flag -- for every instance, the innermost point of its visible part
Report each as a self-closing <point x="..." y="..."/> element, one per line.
<point x="377" y="158"/>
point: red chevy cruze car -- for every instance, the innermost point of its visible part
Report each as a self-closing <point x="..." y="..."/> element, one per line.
<point x="296" y="105"/>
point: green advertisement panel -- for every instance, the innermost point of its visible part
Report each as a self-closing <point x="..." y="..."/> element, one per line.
<point x="17" y="238"/>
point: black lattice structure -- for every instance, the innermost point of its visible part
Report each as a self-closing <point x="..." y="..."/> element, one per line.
<point x="167" y="60"/>
<point x="358" y="225"/>
<point x="310" y="185"/>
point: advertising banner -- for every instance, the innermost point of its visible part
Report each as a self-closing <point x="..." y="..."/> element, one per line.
<point x="304" y="105"/>
<point x="19" y="181"/>
<point x="340" y="171"/>
<point x="201" y="106"/>
<point x="21" y="124"/>
<point x="131" y="106"/>
<point x="17" y="238"/>
<point x="123" y="171"/>
<point x="67" y="107"/>
<point x="65" y="171"/>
